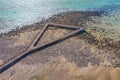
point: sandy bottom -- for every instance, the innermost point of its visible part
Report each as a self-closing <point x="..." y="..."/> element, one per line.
<point x="60" y="69"/>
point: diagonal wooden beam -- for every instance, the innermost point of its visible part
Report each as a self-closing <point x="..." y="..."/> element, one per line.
<point x="39" y="36"/>
<point x="79" y="31"/>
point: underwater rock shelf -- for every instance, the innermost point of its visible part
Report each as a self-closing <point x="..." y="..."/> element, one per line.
<point x="34" y="48"/>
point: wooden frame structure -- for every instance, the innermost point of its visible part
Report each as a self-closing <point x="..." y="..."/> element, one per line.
<point x="34" y="48"/>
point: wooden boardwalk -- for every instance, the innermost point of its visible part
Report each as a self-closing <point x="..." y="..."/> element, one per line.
<point x="34" y="48"/>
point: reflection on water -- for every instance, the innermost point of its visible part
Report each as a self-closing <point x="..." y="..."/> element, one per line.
<point x="15" y="13"/>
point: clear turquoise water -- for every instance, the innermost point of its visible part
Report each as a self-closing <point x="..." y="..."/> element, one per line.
<point x="16" y="13"/>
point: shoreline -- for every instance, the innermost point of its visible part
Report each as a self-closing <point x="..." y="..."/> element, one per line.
<point x="40" y="24"/>
<point x="86" y="15"/>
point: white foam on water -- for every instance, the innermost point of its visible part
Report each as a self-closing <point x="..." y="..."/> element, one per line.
<point x="16" y="13"/>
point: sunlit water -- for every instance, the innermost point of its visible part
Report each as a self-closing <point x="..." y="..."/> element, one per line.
<point x="15" y="13"/>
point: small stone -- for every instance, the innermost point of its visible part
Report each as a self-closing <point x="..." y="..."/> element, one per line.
<point x="1" y="62"/>
<point x="12" y="73"/>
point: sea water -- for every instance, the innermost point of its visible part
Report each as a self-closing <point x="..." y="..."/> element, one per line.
<point x="16" y="13"/>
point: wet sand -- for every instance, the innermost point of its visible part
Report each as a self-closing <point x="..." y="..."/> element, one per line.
<point x="69" y="59"/>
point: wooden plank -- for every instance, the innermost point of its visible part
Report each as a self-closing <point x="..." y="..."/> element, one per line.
<point x="63" y="26"/>
<point x="39" y="36"/>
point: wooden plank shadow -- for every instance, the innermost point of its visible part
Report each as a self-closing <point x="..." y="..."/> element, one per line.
<point x="33" y="48"/>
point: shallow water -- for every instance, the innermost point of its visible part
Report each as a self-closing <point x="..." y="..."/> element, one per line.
<point x="14" y="13"/>
<point x="106" y="28"/>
